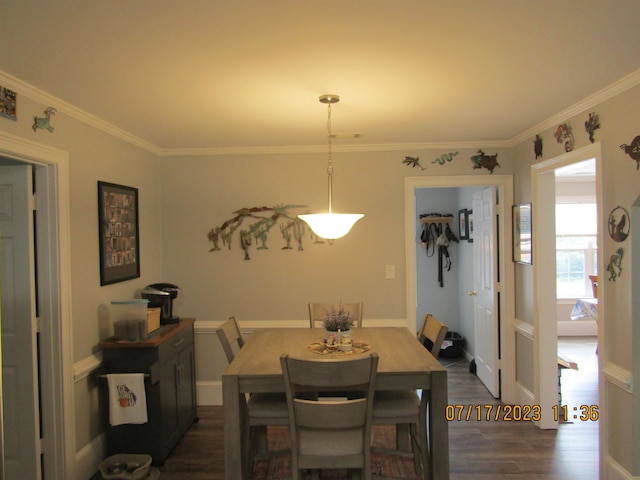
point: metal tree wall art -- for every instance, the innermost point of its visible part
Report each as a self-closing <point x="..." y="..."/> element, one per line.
<point x="591" y="125"/>
<point x="564" y="134"/>
<point x="263" y="220"/>
<point x="44" y="123"/>
<point x="485" y="161"/>
<point x="633" y="150"/>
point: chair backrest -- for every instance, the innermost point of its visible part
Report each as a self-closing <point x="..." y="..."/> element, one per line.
<point x="335" y="433"/>
<point x="432" y="333"/>
<point x="317" y="311"/>
<point x="230" y="338"/>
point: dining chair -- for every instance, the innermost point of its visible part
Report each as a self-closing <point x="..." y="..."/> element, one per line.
<point x="431" y="334"/>
<point x="317" y="311"/>
<point x="407" y="409"/>
<point x="332" y="434"/>
<point x="263" y="409"/>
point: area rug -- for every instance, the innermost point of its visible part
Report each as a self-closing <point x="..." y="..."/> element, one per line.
<point x="278" y="467"/>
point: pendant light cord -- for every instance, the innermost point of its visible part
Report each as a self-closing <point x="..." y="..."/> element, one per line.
<point x="330" y="162"/>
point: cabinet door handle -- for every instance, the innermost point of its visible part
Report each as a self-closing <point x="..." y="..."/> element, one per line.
<point x="178" y="343"/>
<point x="178" y="377"/>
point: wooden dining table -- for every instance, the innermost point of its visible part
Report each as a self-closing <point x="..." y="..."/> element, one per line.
<point x="403" y="364"/>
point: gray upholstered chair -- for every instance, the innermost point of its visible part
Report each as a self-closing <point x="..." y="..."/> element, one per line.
<point x="330" y="434"/>
<point x="406" y="409"/>
<point x="317" y="311"/>
<point x="263" y="409"/>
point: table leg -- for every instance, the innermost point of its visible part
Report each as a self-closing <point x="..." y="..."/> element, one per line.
<point x="439" y="428"/>
<point x="234" y="428"/>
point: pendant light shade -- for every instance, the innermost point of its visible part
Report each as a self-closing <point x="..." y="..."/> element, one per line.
<point x="330" y="225"/>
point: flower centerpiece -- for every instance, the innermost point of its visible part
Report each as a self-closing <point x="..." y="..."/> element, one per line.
<point x="338" y="319"/>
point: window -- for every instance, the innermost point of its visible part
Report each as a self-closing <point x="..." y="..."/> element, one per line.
<point x="576" y="249"/>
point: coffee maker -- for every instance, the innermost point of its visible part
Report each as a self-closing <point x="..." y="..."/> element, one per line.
<point x="162" y="295"/>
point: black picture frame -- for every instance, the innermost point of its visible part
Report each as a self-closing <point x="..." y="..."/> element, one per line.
<point x="522" y="234"/>
<point x="470" y="225"/>
<point x="118" y="232"/>
<point x="463" y="224"/>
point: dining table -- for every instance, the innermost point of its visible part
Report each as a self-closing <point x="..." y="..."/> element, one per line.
<point x="404" y="363"/>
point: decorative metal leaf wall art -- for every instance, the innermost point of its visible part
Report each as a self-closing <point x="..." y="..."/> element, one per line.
<point x="259" y="221"/>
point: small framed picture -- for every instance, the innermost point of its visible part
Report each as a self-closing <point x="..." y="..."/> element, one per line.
<point x="8" y="103"/>
<point x="522" y="234"/>
<point x="119" y="233"/>
<point x="463" y="224"/>
<point x="470" y="225"/>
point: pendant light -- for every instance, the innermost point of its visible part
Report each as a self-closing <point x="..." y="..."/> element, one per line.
<point x="330" y="225"/>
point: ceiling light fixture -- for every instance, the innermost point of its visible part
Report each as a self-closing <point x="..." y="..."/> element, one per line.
<point x="330" y="225"/>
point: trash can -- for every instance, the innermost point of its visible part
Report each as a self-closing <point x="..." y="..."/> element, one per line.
<point x="452" y="345"/>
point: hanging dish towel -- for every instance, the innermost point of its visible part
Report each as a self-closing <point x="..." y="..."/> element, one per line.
<point x="127" y="398"/>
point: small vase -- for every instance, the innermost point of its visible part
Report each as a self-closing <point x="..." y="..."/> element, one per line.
<point x="337" y="335"/>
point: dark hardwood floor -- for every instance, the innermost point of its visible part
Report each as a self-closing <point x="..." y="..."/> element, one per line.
<point x="479" y="450"/>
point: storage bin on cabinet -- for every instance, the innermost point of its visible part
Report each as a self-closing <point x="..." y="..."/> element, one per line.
<point x="169" y="359"/>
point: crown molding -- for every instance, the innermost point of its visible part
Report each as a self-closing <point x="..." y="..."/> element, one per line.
<point x="61" y="106"/>
<point x="45" y="98"/>
<point x="280" y="150"/>
<point x="616" y="88"/>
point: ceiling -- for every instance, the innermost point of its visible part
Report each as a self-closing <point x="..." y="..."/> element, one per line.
<point x="225" y="75"/>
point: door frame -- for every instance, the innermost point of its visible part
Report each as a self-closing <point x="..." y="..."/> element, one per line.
<point x="545" y="333"/>
<point x="504" y="188"/>
<point x="56" y="340"/>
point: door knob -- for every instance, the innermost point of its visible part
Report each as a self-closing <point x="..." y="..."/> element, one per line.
<point x="473" y="293"/>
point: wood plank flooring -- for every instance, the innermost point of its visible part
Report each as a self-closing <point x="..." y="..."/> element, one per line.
<point x="479" y="450"/>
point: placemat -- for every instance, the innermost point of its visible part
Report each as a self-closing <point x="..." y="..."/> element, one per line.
<point x="322" y="349"/>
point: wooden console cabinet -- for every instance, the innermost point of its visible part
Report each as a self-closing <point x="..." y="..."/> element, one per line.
<point x="168" y="360"/>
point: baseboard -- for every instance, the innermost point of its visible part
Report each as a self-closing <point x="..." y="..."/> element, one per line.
<point x="615" y="471"/>
<point x="209" y="393"/>
<point x="578" y="328"/>
<point x="524" y="396"/>
<point x="88" y="459"/>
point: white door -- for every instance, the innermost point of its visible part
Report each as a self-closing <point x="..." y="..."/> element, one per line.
<point x="19" y="326"/>
<point x="484" y="268"/>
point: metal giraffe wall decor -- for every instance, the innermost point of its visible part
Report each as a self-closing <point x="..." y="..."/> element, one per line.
<point x="263" y="220"/>
<point x="44" y="123"/>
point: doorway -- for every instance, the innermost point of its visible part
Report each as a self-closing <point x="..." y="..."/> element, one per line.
<point x="505" y="272"/>
<point x="52" y="239"/>
<point x="545" y="342"/>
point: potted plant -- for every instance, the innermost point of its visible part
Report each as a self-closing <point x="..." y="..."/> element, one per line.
<point x="338" y="319"/>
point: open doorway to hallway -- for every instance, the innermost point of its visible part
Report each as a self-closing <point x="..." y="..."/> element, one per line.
<point x="503" y="185"/>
